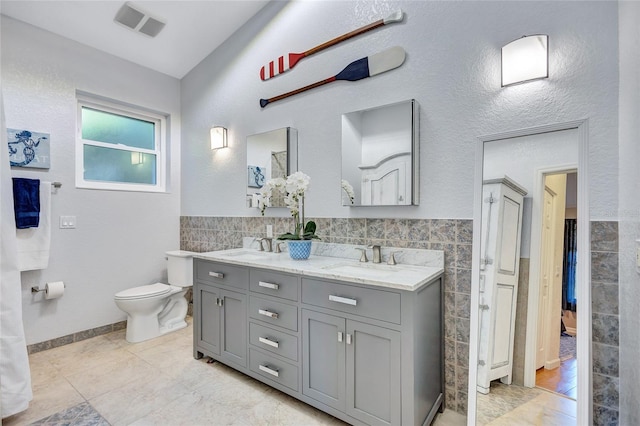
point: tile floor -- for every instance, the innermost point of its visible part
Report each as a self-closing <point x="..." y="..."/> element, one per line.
<point x="516" y="405"/>
<point x="108" y="381"/>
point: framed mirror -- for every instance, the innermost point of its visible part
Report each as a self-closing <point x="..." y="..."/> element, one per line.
<point x="380" y="155"/>
<point x="270" y="155"/>
<point x="531" y="218"/>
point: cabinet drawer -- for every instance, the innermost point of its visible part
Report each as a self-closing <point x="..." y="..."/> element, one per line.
<point x="367" y="302"/>
<point x="274" y="284"/>
<point x="222" y="274"/>
<point x="275" y="313"/>
<point x="273" y="341"/>
<point x="279" y="371"/>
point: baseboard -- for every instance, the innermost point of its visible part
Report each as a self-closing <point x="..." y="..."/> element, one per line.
<point x="553" y="364"/>
<point x="75" y="337"/>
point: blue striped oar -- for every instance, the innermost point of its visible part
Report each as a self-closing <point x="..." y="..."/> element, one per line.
<point x="356" y="70"/>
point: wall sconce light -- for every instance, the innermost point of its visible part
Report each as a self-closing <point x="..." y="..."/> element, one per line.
<point x="218" y="137"/>
<point x="525" y="59"/>
<point x="137" y="158"/>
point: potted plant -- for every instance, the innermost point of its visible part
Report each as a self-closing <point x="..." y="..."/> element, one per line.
<point x="294" y="188"/>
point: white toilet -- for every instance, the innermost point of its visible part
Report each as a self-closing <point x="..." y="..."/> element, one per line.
<point x="156" y="309"/>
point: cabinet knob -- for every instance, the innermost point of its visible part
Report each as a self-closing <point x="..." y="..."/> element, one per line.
<point x="216" y="274"/>
<point x="345" y="300"/>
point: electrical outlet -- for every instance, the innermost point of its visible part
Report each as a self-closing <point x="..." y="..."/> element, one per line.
<point x="67" y="222"/>
<point x="269" y="231"/>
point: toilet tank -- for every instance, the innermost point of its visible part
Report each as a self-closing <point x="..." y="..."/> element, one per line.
<point x="180" y="268"/>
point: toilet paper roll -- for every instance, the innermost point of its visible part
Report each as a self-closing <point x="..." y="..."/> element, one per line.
<point x="53" y="290"/>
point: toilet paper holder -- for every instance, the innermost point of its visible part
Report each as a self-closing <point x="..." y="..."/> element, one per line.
<point x="38" y="289"/>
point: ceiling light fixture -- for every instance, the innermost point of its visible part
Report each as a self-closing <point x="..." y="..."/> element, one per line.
<point x="525" y="59"/>
<point x="141" y="22"/>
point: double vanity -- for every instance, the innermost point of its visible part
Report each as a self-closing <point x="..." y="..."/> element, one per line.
<point x="360" y="341"/>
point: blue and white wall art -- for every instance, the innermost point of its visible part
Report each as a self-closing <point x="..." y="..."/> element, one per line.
<point x="29" y="149"/>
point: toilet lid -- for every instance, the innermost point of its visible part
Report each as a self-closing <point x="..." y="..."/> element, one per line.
<point x="143" y="291"/>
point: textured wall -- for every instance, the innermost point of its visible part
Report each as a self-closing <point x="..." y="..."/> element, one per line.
<point x="198" y="233"/>
<point x="120" y="237"/>
<point x="452" y="70"/>
<point x="629" y="211"/>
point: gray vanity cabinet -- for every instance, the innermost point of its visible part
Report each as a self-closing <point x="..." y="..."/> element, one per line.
<point x="369" y="355"/>
<point x="352" y="366"/>
<point x="221" y="325"/>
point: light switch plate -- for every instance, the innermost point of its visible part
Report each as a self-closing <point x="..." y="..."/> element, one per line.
<point x="67" y="222"/>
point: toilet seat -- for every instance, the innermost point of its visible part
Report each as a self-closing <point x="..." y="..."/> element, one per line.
<point x="143" y="291"/>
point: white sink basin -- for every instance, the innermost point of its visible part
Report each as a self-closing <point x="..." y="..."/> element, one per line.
<point x="364" y="270"/>
<point x="248" y="255"/>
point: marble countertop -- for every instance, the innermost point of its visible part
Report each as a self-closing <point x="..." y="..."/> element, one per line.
<point x="337" y="262"/>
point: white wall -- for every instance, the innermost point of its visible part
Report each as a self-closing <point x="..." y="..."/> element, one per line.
<point x="629" y="231"/>
<point x="521" y="158"/>
<point x="121" y="237"/>
<point x="452" y="70"/>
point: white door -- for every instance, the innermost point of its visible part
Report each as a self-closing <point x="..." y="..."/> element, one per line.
<point x="546" y="274"/>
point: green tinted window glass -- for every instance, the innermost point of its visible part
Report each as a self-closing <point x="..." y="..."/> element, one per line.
<point x="115" y="165"/>
<point x="112" y="128"/>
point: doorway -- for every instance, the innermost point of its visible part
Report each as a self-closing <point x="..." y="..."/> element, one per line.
<point x="556" y="365"/>
<point x="528" y="155"/>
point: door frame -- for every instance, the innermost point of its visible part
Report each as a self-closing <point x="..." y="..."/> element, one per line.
<point x="583" y="270"/>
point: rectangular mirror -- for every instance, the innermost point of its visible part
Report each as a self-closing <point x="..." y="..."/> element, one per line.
<point x="380" y="155"/>
<point x="270" y="155"/>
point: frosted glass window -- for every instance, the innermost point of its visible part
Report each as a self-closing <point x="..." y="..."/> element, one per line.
<point x="119" y="147"/>
<point x="114" y="165"/>
<point x="116" y="129"/>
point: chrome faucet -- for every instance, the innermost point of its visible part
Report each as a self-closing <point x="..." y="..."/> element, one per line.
<point x="376" y="253"/>
<point x="268" y="243"/>
<point x="363" y="257"/>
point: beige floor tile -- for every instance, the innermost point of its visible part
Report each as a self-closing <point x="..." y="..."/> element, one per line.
<point x="111" y="375"/>
<point x="49" y="398"/>
<point x="450" y="418"/>
<point x="192" y="409"/>
<point x="86" y="355"/>
<point x="138" y="399"/>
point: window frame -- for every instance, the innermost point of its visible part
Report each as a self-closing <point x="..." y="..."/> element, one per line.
<point x="160" y="137"/>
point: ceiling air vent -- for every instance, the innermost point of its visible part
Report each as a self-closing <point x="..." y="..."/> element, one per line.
<point x="141" y="22"/>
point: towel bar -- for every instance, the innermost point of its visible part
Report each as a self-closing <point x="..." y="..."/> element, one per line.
<point x="56" y="184"/>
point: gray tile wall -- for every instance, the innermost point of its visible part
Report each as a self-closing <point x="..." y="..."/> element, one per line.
<point x="200" y="234"/>
<point x="605" y="317"/>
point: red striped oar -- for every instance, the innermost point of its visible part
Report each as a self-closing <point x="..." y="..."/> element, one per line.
<point x="286" y="62"/>
<point x="356" y="70"/>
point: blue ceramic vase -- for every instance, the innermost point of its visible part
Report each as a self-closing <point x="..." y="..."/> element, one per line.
<point x="299" y="249"/>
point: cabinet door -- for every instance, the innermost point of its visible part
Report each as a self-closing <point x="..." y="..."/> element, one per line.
<point x="207" y="318"/>
<point x="373" y="374"/>
<point x="323" y="358"/>
<point x="234" y="327"/>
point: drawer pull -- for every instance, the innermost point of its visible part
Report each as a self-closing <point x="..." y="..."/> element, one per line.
<point x="216" y="274"/>
<point x="268" y="314"/>
<point x="268" y="285"/>
<point x="344" y="300"/>
<point x="269" y="342"/>
<point x="268" y="370"/>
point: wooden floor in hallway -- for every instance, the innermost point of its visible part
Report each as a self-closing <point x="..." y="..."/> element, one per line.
<point x="562" y="380"/>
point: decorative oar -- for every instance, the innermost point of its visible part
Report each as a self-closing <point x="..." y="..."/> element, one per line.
<point x="286" y="62"/>
<point x="356" y="70"/>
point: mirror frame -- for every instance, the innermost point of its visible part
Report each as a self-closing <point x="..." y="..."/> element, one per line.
<point x="583" y="271"/>
<point x="415" y="152"/>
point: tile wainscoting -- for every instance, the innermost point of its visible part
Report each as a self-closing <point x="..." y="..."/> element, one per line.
<point x="605" y="322"/>
<point x="453" y="236"/>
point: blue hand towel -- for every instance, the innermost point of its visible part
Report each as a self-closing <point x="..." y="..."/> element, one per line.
<point x="26" y="202"/>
